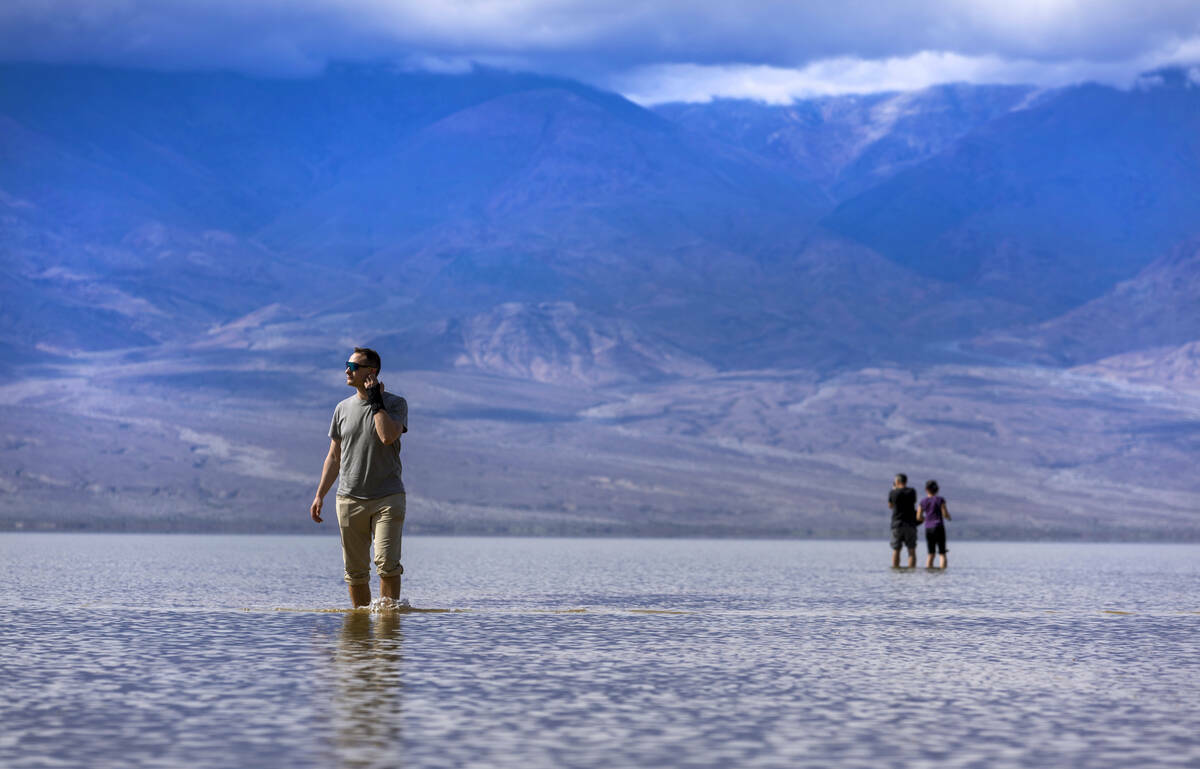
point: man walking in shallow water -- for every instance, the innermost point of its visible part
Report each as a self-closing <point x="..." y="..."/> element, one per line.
<point x="903" y="502"/>
<point x="364" y="452"/>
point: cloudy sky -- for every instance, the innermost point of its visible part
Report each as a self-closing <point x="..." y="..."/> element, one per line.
<point x="650" y="50"/>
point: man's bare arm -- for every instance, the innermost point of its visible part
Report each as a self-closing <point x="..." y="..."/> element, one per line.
<point x="329" y="473"/>
<point x="387" y="428"/>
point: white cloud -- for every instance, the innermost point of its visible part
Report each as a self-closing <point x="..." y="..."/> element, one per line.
<point x="655" y="49"/>
<point x="699" y="83"/>
<point x="657" y="84"/>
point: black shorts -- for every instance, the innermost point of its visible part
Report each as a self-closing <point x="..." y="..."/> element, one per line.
<point x="935" y="539"/>
<point x="904" y="535"/>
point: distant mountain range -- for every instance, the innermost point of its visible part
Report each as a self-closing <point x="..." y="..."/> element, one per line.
<point x="541" y="231"/>
<point x="847" y="144"/>
<point x="735" y="231"/>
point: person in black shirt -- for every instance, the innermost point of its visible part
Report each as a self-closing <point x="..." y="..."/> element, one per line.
<point x="903" y="502"/>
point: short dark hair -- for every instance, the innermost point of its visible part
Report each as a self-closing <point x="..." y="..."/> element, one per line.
<point x="902" y="478"/>
<point x="371" y="356"/>
<point x="931" y="487"/>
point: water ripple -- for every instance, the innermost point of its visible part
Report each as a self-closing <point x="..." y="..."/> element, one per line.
<point x="973" y="668"/>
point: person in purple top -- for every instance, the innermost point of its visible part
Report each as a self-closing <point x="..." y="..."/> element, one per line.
<point x="934" y="513"/>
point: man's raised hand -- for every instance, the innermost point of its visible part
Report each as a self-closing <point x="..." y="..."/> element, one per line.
<point x="374" y="390"/>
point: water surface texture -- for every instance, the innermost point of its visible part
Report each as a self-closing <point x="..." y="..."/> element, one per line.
<point x="207" y="651"/>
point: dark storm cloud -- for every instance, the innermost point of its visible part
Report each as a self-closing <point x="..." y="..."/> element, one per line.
<point x="618" y="43"/>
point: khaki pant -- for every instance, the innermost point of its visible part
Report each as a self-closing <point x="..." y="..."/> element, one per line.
<point x="363" y="520"/>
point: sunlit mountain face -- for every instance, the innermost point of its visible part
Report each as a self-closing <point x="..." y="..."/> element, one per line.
<point x="220" y="237"/>
<point x="847" y="144"/>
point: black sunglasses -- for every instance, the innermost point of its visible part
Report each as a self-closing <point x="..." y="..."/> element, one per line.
<point x="352" y="366"/>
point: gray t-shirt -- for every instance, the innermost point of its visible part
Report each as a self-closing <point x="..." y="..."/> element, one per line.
<point x="369" y="469"/>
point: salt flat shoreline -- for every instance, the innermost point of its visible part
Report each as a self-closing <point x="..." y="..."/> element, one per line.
<point x="633" y="537"/>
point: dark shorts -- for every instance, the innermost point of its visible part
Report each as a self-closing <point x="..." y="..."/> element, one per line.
<point x="935" y="539"/>
<point x="904" y="535"/>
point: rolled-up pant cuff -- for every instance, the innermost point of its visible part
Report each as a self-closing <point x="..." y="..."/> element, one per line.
<point x="396" y="572"/>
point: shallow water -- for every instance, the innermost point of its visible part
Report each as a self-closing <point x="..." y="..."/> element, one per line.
<point x="128" y="651"/>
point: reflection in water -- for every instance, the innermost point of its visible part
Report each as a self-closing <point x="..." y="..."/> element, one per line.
<point x="368" y="689"/>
